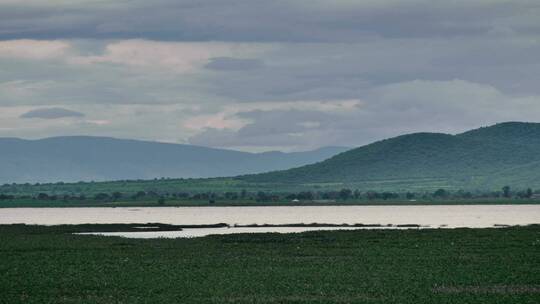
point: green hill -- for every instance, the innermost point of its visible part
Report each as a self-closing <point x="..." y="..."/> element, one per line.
<point x="485" y="158"/>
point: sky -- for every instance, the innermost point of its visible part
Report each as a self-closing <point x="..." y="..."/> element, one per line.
<point x="259" y="75"/>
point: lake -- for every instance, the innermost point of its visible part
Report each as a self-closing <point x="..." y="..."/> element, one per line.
<point x="436" y="216"/>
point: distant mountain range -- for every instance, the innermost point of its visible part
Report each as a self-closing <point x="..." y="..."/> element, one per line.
<point x="83" y="158"/>
<point x="485" y="158"/>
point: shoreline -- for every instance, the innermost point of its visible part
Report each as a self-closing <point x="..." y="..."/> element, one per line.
<point x="184" y="204"/>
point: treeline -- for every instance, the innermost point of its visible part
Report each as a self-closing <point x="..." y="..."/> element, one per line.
<point x="349" y="194"/>
<point x="344" y="194"/>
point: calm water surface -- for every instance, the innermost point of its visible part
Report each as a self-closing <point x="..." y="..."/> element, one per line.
<point x="450" y="216"/>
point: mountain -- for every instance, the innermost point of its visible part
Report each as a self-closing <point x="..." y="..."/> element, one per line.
<point x="485" y="158"/>
<point x="83" y="158"/>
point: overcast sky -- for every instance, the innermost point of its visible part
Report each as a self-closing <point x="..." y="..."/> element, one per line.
<point x="262" y="75"/>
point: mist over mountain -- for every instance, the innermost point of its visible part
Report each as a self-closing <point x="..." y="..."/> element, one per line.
<point x="84" y="158"/>
<point x="484" y="158"/>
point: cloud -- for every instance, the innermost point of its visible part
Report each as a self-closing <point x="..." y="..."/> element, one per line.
<point x="236" y="116"/>
<point x="180" y="57"/>
<point x="249" y="21"/>
<point x="416" y="106"/>
<point x="296" y="130"/>
<point x="233" y="64"/>
<point x="352" y="88"/>
<point x="33" y="49"/>
<point x="115" y="72"/>
<point x="122" y="121"/>
<point x="226" y="73"/>
<point x="51" y="113"/>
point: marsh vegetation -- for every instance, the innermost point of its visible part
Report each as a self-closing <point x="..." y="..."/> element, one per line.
<point x="376" y="266"/>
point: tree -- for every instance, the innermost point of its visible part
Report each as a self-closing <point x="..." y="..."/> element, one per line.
<point x="409" y="195"/>
<point x="506" y="191"/>
<point x="388" y="195"/>
<point x="6" y="197"/>
<point x="261" y="197"/>
<point x="291" y="196"/>
<point x="161" y="201"/>
<point x="372" y="195"/>
<point x="305" y="196"/>
<point x="43" y="196"/>
<point x="139" y="194"/>
<point x="529" y="193"/>
<point x="345" y="194"/>
<point x="440" y="193"/>
<point x="116" y="196"/>
<point x="101" y="197"/>
<point x="231" y="195"/>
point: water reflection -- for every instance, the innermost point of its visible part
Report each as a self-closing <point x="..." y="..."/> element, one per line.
<point x="200" y="232"/>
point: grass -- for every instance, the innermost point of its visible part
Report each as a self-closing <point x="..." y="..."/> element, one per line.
<point x="133" y="186"/>
<point x="50" y="265"/>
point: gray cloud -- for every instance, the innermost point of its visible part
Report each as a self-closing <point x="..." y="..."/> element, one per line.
<point x="233" y="64"/>
<point x="51" y="113"/>
<point x="270" y="21"/>
<point x="133" y="69"/>
<point x="296" y="130"/>
<point x="390" y="110"/>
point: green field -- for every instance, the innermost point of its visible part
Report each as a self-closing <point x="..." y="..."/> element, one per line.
<point x="51" y="265"/>
<point x="222" y="185"/>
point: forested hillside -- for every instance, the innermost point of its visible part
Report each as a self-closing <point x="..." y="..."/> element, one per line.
<point x="490" y="157"/>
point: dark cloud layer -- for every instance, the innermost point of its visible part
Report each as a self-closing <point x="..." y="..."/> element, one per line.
<point x="269" y="21"/>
